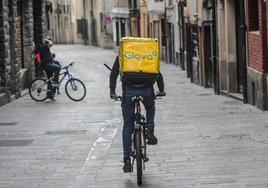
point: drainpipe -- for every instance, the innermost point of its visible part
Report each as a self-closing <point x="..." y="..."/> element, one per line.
<point x="92" y="24"/>
<point x="85" y="25"/>
<point x="215" y="49"/>
<point x="243" y="47"/>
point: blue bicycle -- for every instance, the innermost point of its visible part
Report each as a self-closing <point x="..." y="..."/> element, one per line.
<point x="40" y="89"/>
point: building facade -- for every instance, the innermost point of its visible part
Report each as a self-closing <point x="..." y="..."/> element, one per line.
<point x="121" y="20"/>
<point x="22" y="25"/>
<point x="61" y="23"/>
<point x="232" y="59"/>
<point x="156" y="11"/>
<point x="134" y="16"/>
<point x="257" y="67"/>
<point x="86" y="22"/>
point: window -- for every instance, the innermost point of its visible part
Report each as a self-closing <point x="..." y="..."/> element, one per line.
<point x="253" y="15"/>
<point x="117" y="33"/>
<point x="194" y="6"/>
<point x="80" y="26"/>
<point x="123" y="29"/>
<point x="19" y="8"/>
<point x="132" y="4"/>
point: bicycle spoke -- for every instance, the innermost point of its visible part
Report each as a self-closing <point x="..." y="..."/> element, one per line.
<point x="75" y="89"/>
<point x="38" y="90"/>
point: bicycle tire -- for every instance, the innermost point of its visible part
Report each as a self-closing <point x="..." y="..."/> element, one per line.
<point x="138" y="157"/>
<point x="75" y="84"/>
<point x="36" y="89"/>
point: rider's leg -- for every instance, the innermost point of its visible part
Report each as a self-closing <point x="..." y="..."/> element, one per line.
<point x="56" y="69"/>
<point x="149" y="104"/>
<point x="128" y="116"/>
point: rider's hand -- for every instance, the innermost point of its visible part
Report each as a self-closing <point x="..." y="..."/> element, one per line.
<point x="113" y="95"/>
<point x="161" y="93"/>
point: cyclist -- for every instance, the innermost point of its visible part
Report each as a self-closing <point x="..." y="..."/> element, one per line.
<point x="49" y="64"/>
<point x="146" y="91"/>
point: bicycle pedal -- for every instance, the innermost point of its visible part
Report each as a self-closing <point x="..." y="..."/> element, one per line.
<point x="132" y="154"/>
<point x="146" y="159"/>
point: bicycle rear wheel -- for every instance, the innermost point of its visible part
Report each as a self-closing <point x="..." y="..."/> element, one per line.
<point x="38" y="89"/>
<point x="138" y="156"/>
<point x="75" y="89"/>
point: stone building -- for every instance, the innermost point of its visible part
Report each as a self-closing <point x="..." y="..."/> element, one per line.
<point x="86" y="22"/>
<point x="120" y="20"/>
<point x="232" y="47"/>
<point x="156" y="12"/>
<point x="61" y="25"/>
<point x="257" y="39"/>
<point x="134" y="16"/>
<point x="22" y="24"/>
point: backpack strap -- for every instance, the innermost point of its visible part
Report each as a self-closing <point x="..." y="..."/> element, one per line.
<point x="37" y="58"/>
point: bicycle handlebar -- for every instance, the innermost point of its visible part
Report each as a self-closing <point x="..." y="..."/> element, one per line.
<point x="66" y="67"/>
<point x="119" y="98"/>
<point x="107" y="66"/>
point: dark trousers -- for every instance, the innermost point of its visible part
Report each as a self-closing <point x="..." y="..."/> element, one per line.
<point x="53" y="68"/>
<point x="50" y="69"/>
<point x="128" y="110"/>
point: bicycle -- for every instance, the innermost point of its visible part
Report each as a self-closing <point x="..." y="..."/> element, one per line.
<point x="40" y="87"/>
<point x="139" y="139"/>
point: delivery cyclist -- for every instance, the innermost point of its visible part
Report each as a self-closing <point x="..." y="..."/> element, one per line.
<point x="146" y="91"/>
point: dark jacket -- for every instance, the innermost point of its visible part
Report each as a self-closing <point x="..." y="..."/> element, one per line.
<point x="45" y="54"/>
<point x="115" y="72"/>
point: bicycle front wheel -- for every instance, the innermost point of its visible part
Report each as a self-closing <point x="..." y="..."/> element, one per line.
<point x="75" y="89"/>
<point x="38" y="89"/>
<point x="138" y="157"/>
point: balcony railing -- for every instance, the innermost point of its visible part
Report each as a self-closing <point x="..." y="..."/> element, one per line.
<point x="156" y="7"/>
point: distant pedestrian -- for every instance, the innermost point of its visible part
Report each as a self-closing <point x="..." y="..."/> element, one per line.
<point x="48" y="63"/>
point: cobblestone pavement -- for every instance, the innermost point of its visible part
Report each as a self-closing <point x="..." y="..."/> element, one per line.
<point x="205" y="141"/>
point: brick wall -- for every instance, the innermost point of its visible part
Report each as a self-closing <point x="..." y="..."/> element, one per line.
<point x="255" y="52"/>
<point x="4" y="47"/>
<point x="257" y="40"/>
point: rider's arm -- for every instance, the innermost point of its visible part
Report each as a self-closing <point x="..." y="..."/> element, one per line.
<point x="160" y="82"/>
<point x="49" y="43"/>
<point x="114" y="74"/>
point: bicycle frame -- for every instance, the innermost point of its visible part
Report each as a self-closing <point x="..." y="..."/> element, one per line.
<point x="65" y="73"/>
<point x="139" y="128"/>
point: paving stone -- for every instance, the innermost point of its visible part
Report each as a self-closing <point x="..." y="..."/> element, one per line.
<point x="205" y="140"/>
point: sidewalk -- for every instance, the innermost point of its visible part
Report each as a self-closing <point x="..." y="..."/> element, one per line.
<point x="205" y="140"/>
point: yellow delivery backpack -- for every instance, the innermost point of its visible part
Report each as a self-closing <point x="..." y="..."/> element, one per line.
<point x="139" y="60"/>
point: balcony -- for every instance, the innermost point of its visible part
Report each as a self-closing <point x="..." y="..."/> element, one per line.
<point x="156" y="7"/>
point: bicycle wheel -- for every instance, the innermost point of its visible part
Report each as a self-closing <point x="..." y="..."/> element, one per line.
<point x="75" y="89"/>
<point x="38" y="89"/>
<point x="138" y="156"/>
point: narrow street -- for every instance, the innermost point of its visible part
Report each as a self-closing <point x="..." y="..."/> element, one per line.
<point x="205" y="140"/>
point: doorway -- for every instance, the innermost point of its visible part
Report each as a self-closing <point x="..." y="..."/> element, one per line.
<point x="207" y="56"/>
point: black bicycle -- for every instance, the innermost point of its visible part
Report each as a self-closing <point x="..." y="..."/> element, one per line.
<point x="138" y="153"/>
<point x="41" y="88"/>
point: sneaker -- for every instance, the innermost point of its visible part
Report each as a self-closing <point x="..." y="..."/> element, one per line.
<point x="161" y="93"/>
<point x="50" y="95"/>
<point x="51" y="98"/>
<point x="151" y="139"/>
<point x="127" y="166"/>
